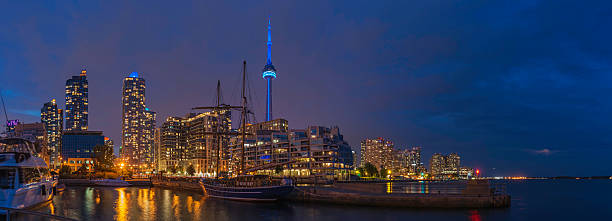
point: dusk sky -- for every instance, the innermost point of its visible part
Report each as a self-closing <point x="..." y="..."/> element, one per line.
<point x="514" y="87"/>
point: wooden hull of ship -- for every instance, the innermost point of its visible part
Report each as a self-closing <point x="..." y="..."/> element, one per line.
<point x="253" y="194"/>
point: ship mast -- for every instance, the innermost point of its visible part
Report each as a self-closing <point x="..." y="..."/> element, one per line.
<point x="244" y="103"/>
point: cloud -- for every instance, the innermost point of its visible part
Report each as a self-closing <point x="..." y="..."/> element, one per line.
<point x="544" y="151"/>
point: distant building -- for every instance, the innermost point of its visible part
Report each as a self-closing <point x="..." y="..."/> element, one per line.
<point x="172" y="142"/>
<point x="77" y="104"/>
<point x="138" y="124"/>
<point x="53" y="121"/>
<point x="157" y="148"/>
<point x="437" y="164"/>
<point x="78" y="147"/>
<point x="448" y="166"/>
<point x="10" y="127"/>
<point x="35" y="133"/>
<point x="299" y="152"/>
<point x="378" y="152"/>
<point x="109" y="143"/>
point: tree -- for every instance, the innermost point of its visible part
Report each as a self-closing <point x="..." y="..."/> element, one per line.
<point x="64" y="170"/>
<point x="104" y="157"/>
<point x="361" y="171"/>
<point x="82" y="169"/>
<point x="370" y="170"/>
<point x="190" y="170"/>
<point x="172" y="169"/>
<point x="383" y="172"/>
<point x="278" y="169"/>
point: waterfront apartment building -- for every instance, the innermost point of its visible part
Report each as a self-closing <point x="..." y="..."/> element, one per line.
<point x="271" y="145"/>
<point x="77" y="104"/>
<point x="137" y="124"/>
<point x="448" y="166"/>
<point x="198" y="139"/>
<point x="78" y="147"/>
<point x="53" y="120"/>
<point x="407" y="162"/>
<point x="378" y="152"/>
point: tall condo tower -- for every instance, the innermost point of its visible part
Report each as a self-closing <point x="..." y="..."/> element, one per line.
<point x="269" y="73"/>
<point x="53" y="119"/>
<point x="138" y="124"/>
<point x="77" y="105"/>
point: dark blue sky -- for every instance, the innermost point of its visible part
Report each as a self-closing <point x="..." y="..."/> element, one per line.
<point x="515" y="87"/>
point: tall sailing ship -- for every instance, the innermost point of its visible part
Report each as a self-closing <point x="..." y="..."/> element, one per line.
<point x="244" y="187"/>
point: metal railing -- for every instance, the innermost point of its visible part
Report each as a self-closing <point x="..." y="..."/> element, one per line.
<point x="10" y="211"/>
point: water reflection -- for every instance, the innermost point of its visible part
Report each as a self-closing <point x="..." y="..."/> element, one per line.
<point x="134" y="203"/>
<point x="121" y="205"/>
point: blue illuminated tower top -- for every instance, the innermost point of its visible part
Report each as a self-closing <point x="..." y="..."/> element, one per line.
<point x="269" y="71"/>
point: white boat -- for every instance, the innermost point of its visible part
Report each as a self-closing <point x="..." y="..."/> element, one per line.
<point x="111" y="182"/>
<point x="24" y="177"/>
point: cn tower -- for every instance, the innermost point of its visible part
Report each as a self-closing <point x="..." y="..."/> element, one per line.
<point x="269" y="73"/>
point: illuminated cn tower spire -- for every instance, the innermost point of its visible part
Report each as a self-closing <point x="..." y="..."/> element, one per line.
<point x="269" y="73"/>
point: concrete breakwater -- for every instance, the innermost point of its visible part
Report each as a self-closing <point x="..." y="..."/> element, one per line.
<point x="475" y="194"/>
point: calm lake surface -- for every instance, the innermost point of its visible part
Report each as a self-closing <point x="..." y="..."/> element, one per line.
<point x="531" y="200"/>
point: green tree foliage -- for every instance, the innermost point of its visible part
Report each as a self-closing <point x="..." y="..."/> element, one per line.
<point x="190" y="170"/>
<point x="172" y="169"/>
<point x="82" y="169"/>
<point x="104" y="157"/>
<point x="64" y="170"/>
<point x="361" y="171"/>
<point x="383" y="172"/>
<point x="278" y="169"/>
<point x="370" y="170"/>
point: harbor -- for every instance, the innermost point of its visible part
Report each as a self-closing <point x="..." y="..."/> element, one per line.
<point x="530" y="200"/>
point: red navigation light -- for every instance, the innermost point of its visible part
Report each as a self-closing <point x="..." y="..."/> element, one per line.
<point x="477" y="171"/>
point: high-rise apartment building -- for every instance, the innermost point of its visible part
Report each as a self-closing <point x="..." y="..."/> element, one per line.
<point x="172" y="150"/>
<point x="437" y="164"/>
<point x="198" y="140"/>
<point x="448" y="166"/>
<point x="53" y="121"/>
<point x="77" y="104"/>
<point x="299" y="152"/>
<point x="138" y="124"/>
<point x="378" y="152"/>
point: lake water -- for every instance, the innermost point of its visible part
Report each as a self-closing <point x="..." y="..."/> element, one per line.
<point x="531" y="200"/>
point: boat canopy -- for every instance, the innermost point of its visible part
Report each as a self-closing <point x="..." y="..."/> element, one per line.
<point x="21" y="160"/>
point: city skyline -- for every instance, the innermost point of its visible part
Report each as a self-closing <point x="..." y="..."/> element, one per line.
<point x="505" y="111"/>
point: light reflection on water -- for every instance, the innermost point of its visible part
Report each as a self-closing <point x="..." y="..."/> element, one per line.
<point x="531" y="200"/>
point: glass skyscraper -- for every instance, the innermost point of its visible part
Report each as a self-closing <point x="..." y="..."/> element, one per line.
<point x="77" y="104"/>
<point x="53" y="120"/>
<point x="138" y="124"/>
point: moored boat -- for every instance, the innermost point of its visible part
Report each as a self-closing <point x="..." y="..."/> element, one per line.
<point x="24" y="177"/>
<point x="247" y="188"/>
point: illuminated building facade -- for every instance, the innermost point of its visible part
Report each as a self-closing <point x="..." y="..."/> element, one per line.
<point x="269" y="73"/>
<point x="138" y="125"/>
<point x="298" y="152"/>
<point x="78" y="147"/>
<point x="172" y="150"/>
<point x="195" y="140"/>
<point x="378" y="152"/>
<point x="53" y="121"/>
<point x="448" y="166"/>
<point x="35" y="133"/>
<point x="77" y="104"/>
